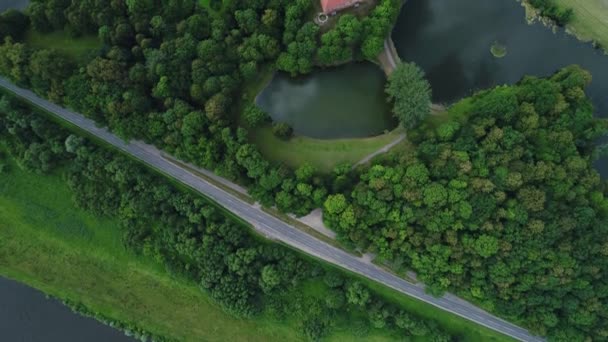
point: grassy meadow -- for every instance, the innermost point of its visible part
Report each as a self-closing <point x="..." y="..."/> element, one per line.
<point x="590" y="21"/>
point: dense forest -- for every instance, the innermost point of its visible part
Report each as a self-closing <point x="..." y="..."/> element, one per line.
<point x="194" y="239"/>
<point x="500" y="203"/>
<point x="170" y="73"/>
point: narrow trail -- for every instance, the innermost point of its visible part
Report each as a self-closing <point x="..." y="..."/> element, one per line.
<point x="382" y="150"/>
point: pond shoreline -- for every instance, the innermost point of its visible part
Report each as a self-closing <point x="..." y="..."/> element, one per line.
<point x="533" y="15"/>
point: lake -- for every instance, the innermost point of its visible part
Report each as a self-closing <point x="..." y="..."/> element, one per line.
<point x="17" y="4"/>
<point x="27" y="315"/>
<point x="451" y="41"/>
<point x="342" y="102"/>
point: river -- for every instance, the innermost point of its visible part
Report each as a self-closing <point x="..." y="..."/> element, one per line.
<point x="27" y="315"/>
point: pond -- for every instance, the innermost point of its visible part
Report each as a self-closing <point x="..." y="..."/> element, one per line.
<point x="343" y="102"/>
<point x="27" y="315"/>
<point x="16" y="4"/>
<point x="452" y="42"/>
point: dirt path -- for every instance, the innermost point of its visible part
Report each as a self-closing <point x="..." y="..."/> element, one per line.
<point x="384" y="149"/>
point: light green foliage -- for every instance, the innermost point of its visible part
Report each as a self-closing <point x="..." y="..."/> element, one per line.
<point x="335" y="204"/>
<point x="447" y="131"/>
<point x="486" y="245"/>
<point x="410" y="93"/>
<point x="435" y="195"/>
<point x="337" y="44"/>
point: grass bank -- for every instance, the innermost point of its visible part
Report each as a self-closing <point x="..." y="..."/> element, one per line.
<point x="589" y="22"/>
<point x="324" y="155"/>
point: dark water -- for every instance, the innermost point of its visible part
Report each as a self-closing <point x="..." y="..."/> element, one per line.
<point x="16" y="4"/>
<point x="451" y="41"/>
<point x="26" y="315"/>
<point x="343" y="102"/>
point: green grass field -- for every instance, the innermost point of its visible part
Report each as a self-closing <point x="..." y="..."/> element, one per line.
<point x="76" y="48"/>
<point x="590" y="21"/>
<point x="324" y="155"/>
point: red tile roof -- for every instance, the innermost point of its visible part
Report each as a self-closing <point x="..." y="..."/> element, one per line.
<point x="330" y="6"/>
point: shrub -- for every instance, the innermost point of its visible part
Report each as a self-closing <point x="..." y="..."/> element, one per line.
<point x="282" y="130"/>
<point x="255" y="116"/>
<point x="410" y="93"/>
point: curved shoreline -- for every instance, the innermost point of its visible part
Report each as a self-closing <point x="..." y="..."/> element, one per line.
<point x="533" y="15"/>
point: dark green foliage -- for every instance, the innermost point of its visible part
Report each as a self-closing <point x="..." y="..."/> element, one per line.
<point x="410" y="93"/>
<point x="502" y="206"/>
<point x="38" y="147"/>
<point x="254" y="115"/>
<point x="357" y="294"/>
<point x="333" y="280"/>
<point x="335" y="299"/>
<point x="314" y="329"/>
<point x="13" y="23"/>
<point x="3" y="163"/>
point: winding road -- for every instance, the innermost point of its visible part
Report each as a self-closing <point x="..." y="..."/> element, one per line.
<point x="272" y="227"/>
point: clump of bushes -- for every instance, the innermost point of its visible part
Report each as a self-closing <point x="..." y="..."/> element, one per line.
<point x="549" y="9"/>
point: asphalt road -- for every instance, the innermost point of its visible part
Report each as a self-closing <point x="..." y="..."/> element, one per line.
<point x="274" y="228"/>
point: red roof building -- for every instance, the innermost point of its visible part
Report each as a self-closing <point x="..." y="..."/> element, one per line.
<point x="333" y="6"/>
